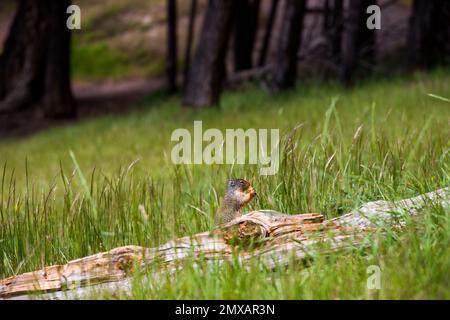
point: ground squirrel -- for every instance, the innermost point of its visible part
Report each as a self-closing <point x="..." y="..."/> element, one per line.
<point x="239" y="193"/>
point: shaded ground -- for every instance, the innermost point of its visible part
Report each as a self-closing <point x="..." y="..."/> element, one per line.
<point x="93" y="100"/>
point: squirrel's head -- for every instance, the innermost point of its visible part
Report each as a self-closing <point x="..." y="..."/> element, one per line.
<point x="241" y="190"/>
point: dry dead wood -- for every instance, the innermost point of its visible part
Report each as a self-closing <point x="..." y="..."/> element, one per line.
<point x="271" y="237"/>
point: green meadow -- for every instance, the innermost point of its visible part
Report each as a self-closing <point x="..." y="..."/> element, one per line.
<point x="78" y="189"/>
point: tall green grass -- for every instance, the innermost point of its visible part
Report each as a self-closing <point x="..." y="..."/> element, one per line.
<point x="73" y="191"/>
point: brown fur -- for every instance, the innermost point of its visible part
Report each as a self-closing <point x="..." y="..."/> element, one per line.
<point x="235" y="199"/>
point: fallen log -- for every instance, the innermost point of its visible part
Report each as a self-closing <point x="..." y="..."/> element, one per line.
<point x="247" y="75"/>
<point x="269" y="236"/>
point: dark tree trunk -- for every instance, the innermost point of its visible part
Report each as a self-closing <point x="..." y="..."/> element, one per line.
<point x="58" y="101"/>
<point x="171" y="60"/>
<point x="443" y="36"/>
<point x="366" y="37"/>
<point x="285" y="67"/>
<point x="428" y="38"/>
<point x="359" y="41"/>
<point x="35" y="65"/>
<point x="21" y="67"/>
<point x="208" y="69"/>
<point x="245" y="27"/>
<point x="333" y="24"/>
<point x="189" y="41"/>
<point x="268" y="33"/>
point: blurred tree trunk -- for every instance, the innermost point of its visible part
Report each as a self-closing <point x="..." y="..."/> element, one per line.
<point x="189" y="41"/>
<point x="35" y="64"/>
<point x="208" y="69"/>
<point x="428" y="37"/>
<point x="359" y="41"/>
<point x="58" y="101"/>
<point x="366" y="37"/>
<point x="285" y="67"/>
<point x="171" y="60"/>
<point x="21" y="61"/>
<point x="268" y="33"/>
<point x="245" y="28"/>
<point x="333" y="24"/>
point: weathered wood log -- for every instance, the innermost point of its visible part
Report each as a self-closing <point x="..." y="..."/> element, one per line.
<point x="269" y="236"/>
